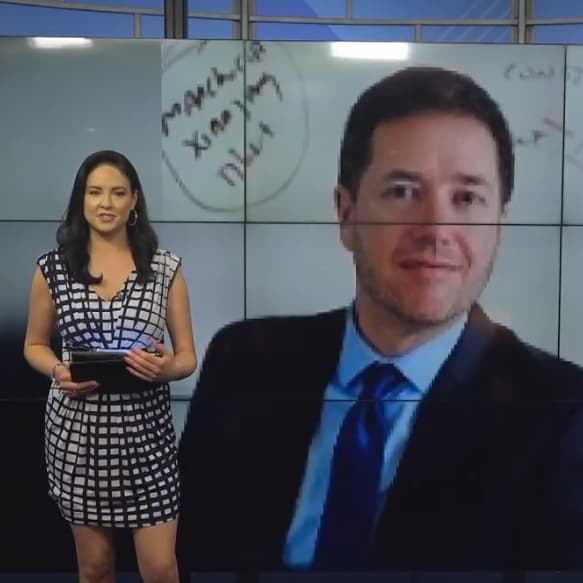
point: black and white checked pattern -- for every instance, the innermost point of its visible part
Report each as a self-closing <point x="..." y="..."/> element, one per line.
<point x="111" y="457"/>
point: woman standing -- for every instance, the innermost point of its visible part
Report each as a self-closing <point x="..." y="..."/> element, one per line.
<point x="111" y="452"/>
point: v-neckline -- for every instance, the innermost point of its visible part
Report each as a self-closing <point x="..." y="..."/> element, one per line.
<point x="117" y="293"/>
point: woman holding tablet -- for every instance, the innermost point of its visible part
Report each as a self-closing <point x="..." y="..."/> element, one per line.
<point x="110" y="445"/>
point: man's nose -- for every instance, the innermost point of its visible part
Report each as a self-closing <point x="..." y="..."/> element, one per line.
<point x="435" y="208"/>
<point x="434" y="220"/>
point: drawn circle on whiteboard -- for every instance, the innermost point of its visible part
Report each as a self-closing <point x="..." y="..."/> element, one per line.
<point x="234" y="121"/>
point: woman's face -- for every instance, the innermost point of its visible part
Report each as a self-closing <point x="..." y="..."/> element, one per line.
<point x="108" y="200"/>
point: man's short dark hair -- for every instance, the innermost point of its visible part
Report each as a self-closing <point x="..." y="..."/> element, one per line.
<point x="418" y="90"/>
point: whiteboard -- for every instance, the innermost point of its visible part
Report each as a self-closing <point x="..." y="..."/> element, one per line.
<point x="276" y="157"/>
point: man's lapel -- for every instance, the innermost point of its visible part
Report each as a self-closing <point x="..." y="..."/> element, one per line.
<point x="439" y="471"/>
<point x="302" y="365"/>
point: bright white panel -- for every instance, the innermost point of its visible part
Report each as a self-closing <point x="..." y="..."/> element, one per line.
<point x="57" y="106"/>
<point x="319" y="82"/>
<point x="573" y="157"/>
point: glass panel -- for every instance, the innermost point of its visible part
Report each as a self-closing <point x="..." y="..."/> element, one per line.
<point x="19" y="20"/>
<point x="558" y="33"/>
<point x="525" y="299"/>
<point x="302" y="31"/>
<point x="432" y="9"/>
<point x="80" y="114"/>
<point x="573" y="161"/>
<point x="222" y="6"/>
<point x="209" y="28"/>
<point x="279" y="256"/>
<point x="31" y="240"/>
<point x="212" y="263"/>
<point x="202" y="130"/>
<point x="179" y="413"/>
<point x="557" y="9"/>
<point x="571" y="293"/>
<point x="319" y="83"/>
<point x="152" y="26"/>
<point x="305" y="8"/>
<point x="467" y="34"/>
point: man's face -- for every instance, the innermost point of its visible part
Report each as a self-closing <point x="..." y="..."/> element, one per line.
<point x="431" y="178"/>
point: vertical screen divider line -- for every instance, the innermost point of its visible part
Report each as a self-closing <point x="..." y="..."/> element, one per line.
<point x="245" y="222"/>
<point x="562" y="217"/>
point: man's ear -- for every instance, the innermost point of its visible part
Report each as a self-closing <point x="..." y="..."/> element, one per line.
<point x="345" y="202"/>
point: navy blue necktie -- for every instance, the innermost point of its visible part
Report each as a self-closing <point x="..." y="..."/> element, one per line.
<point x="350" y="511"/>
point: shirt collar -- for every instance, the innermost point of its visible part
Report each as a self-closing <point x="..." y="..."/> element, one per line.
<point x="420" y="365"/>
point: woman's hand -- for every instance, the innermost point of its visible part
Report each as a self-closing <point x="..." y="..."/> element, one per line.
<point x="149" y="366"/>
<point x="70" y="388"/>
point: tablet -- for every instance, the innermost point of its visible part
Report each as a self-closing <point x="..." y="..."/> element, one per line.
<point x="108" y="368"/>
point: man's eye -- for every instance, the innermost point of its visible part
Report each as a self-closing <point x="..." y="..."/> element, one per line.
<point x="467" y="198"/>
<point x="401" y="191"/>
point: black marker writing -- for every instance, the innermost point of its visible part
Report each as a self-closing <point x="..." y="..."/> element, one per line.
<point x="230" y="171"/>
<point x="195" y="98"/>
<point x="196" y="144"/>
<point x="202" y="141"/>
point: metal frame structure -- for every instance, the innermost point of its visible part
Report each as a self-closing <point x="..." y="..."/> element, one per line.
<point x="245" y="19"/>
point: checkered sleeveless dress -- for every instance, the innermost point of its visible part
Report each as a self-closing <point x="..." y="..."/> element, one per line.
<point x="111" y="457"/>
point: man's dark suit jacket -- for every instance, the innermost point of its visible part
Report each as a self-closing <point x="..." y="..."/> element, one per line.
<point x="491" y="478"/>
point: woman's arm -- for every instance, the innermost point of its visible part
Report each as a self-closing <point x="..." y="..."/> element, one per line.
<point x="179" y="324"/>
<point x="168" y="366"/>
<point x="41" y="318"/>
<point x="37" y="349"/>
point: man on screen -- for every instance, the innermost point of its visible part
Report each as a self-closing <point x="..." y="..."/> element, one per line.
<point x="406" y="431"/>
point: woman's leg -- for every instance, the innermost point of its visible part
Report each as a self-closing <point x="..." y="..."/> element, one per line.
<point x="95" y="554"/>
<point x="156" y="552"/>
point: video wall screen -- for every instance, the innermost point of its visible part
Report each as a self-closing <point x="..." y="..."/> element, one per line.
<point x="237" y="144"/>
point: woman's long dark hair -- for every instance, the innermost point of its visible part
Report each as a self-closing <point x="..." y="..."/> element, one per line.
<point x="73" y="232"/>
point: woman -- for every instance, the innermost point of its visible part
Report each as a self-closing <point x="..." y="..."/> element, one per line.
<point x="110" y="453"/>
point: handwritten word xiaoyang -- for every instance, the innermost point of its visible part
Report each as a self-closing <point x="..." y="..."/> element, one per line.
<point x="573" y="73"/>
<point x="202" y="141"/>
<point x="195" y="98"/>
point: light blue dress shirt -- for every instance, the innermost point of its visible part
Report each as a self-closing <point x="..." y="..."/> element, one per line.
<point x="419" y="366"/>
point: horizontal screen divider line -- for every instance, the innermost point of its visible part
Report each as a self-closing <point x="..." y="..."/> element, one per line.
<point x="308" y="223"/>
<point x="187" y="398"/>
<point x="33" y="400"/>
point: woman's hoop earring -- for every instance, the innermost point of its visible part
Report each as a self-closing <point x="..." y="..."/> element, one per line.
<point x="131" y="222"/>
